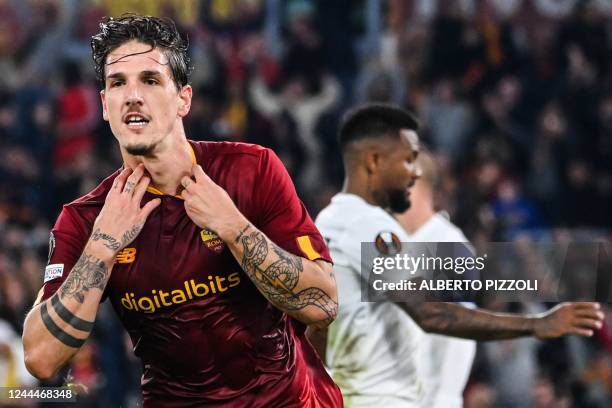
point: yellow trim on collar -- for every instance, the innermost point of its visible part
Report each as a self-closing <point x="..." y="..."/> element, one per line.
<point x="193" y="156"/>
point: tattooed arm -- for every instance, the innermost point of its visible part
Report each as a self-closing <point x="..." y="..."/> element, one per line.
<point x="458" y="321"/>
<point x="299" y="287"/>
<point x="55" y="329"/>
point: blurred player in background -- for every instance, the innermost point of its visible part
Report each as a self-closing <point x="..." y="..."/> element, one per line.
<point x="204" y="249"/>
<point x="444" y="362"/>
<point x="372" y="347"/>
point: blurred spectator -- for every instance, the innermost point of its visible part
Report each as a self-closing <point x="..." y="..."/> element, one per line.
<point x="77" y="116"/>
<point x="449" y="53"/>
<point x="603" y="160"/>
<point x="84" y="374"/>
<point x="585" y="30"/>
<point x="339" y="26"/>
<point x="448" y="119"/>
<point x="49" y="23"/>
<point x="479" y="396"/>
<point x="13" y="372"/>
<point x="549" y="155"/>
<point x="513" y="212"/>
<point x="599" y="375"/>
<point x="513" y="371"/>
<point x="544" y="395"/>
<point x="579" y="194"/>
<point x="304" y="61"/>
<point x="379" y="84"/>
<point x="306" y="110"/>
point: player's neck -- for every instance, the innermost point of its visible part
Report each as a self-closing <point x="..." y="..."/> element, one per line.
<point x="417" y="216"/>
<point x="359" y="188"/>
<point x="173" y="159"/>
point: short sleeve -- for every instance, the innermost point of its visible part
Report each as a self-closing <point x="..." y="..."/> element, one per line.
<point x="281" y="215"/>
<point x="66" y="244"/>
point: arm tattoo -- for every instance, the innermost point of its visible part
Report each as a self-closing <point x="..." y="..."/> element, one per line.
<point x="57" y="331"/>
<point x="69" y="317"/>
<point x="88" y="273"/>
<point x="278" y="280"/>
<point x="129" y="236"/>
<point x="241" y="233"/>
<point x="108" y="241"/>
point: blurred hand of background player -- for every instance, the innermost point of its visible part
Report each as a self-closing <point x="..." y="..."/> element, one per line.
<point x="579" y="318"/>
<point x="209" y="206"/>
<point x="121" y="218"/>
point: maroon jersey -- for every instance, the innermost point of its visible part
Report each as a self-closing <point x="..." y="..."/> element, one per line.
<point x="205" y="334"/>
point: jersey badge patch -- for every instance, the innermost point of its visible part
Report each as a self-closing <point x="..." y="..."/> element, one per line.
<point x="53" y="271"/>
<point x="212" y="241"/>
<point x="387" y="243"/>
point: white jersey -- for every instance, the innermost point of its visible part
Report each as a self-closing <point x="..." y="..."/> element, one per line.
<point x="444" y="362"/>
<point x="371" y="347"/>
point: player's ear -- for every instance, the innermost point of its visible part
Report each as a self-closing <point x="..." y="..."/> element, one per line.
<point x="372" y="160"/>
<point x="104" y="111"/>
<point x="184" y="101"/>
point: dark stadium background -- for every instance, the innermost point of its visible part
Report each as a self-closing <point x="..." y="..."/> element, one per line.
<point x="515" y="97"/>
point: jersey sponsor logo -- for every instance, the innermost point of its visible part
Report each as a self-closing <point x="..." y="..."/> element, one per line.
<point x="126" y="256"/>
<point x="212" y="241"/>
<point x="189" y="291"/>
<point x="387" y="243"/>
<point x="53" y="271"/>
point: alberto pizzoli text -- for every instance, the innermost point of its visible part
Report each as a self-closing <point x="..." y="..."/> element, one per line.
<point x="456" y="284"/>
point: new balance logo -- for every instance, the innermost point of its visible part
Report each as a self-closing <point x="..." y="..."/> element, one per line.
<point x="126" y="256"/>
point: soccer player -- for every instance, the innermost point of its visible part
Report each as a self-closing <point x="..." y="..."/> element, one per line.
<point x="444" y="362"/>
<point x="204" y="250"/>
<point x="370" y="348"/>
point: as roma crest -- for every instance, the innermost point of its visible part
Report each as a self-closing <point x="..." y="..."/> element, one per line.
<point x="212" y="241"/>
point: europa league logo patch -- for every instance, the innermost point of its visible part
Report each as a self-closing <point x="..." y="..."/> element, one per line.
<point x="387" y="243"/>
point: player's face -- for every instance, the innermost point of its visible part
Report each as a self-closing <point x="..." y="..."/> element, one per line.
<point x="140" y="100"/>
<point x="399" y="172"/>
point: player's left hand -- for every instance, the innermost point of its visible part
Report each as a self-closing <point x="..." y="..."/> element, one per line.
<point x="209" y="206"/>
<point x="580" y="318"/>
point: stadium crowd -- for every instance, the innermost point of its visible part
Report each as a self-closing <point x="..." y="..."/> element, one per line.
<point x="515" y="99"/>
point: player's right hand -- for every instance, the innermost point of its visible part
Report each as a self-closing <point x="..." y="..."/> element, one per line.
<point x="121" y="218"/>
<point x="580" y="318"/>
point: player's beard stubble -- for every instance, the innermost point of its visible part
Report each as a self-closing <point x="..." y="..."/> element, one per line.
<point x="397" y="201"/>
<point x="394" y="200"/>
<point x="140" y="149"/>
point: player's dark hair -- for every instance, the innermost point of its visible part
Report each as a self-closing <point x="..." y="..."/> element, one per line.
<point x="154" y="31"/>
<point x="373" y="121"/>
